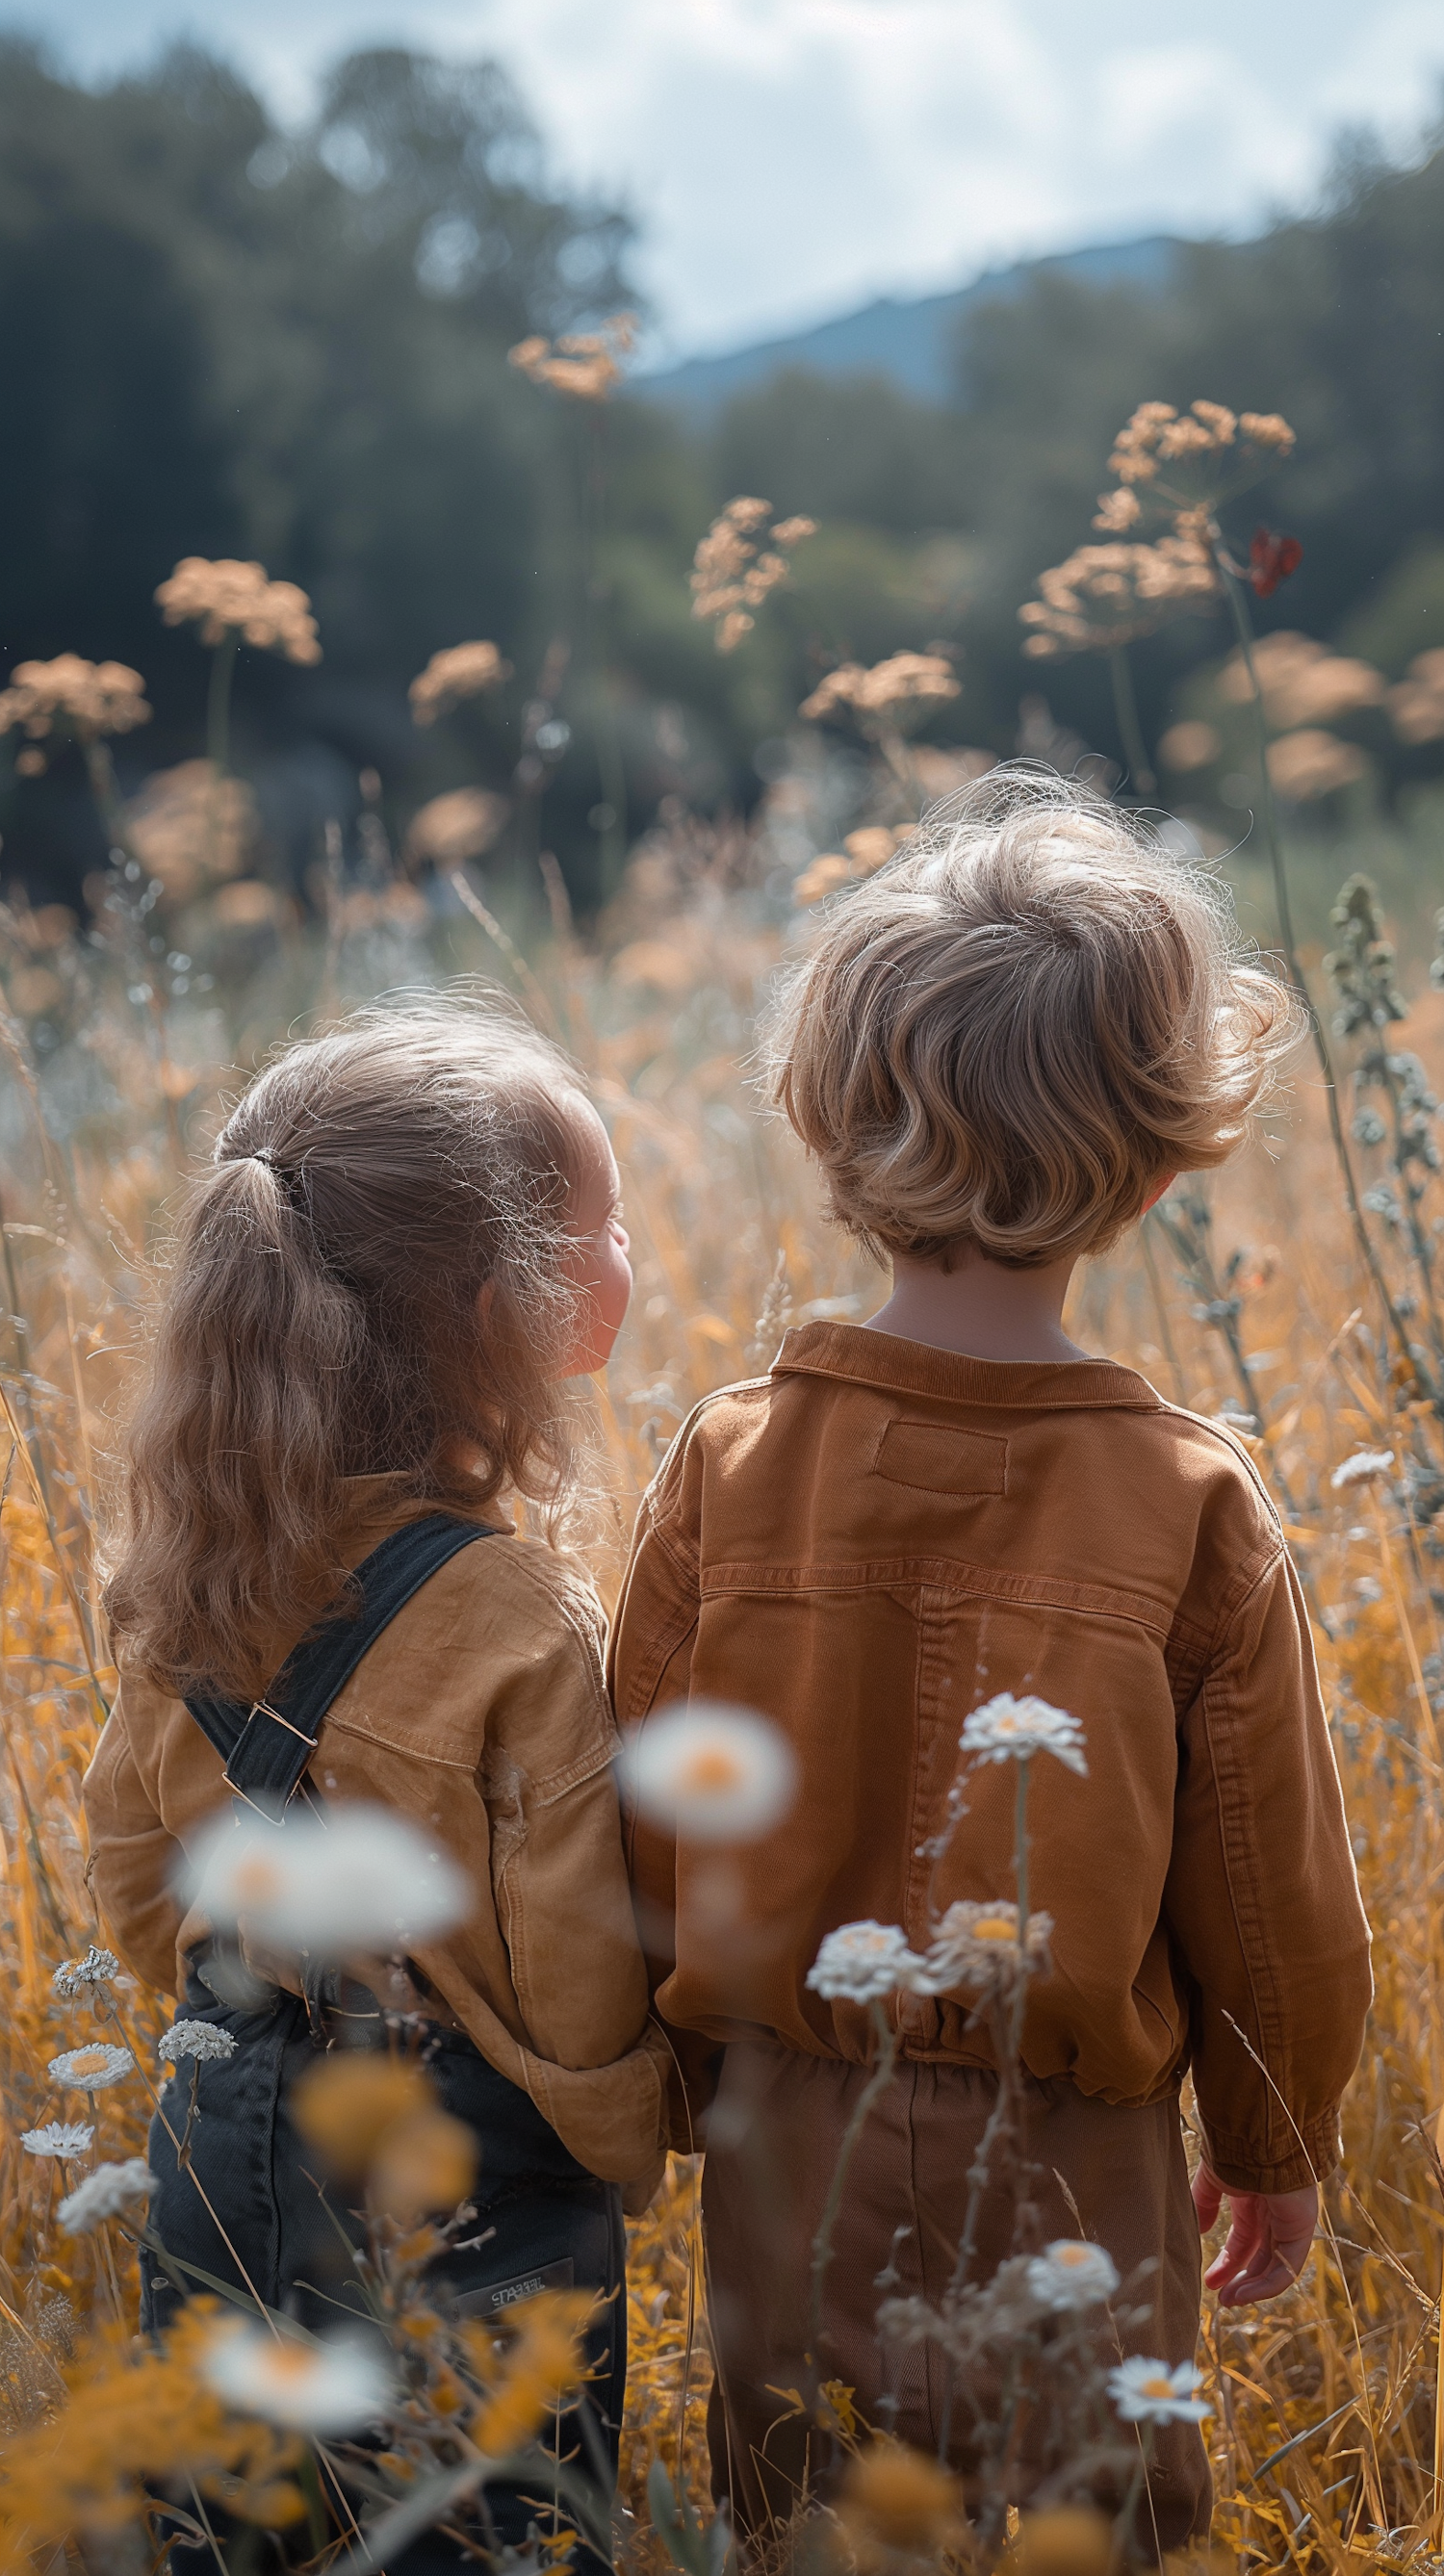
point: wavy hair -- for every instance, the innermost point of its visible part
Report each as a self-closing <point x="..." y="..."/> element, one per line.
<point x="1005" y="1039"/>
<point x="323" y="1319"/>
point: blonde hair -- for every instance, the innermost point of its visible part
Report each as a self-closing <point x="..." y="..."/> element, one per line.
<point x="322" y="1322"/>
<point x="1005" y="1039"/>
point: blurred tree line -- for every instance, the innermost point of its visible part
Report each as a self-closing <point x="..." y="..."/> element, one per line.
<point x="226" y="340"/>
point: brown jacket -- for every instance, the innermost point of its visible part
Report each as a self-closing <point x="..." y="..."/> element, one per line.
<point x="480" y="1711"/>
<point x="879" y="1536"/>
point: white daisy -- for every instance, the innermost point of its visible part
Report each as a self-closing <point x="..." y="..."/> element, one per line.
<point x="332" y="2387"/>
<point x="68" y="2138"/>
<point x="1070" y="2274"/>
<point x="1013" y="1730"/>
<point x="104" y="2194"/>
<point x="1148" y="2392"/>
<point x="199" y="2039"/>
<point x="1362" y="1469"/>
<point x="976" y="1945"/>
<point x="91" y="2069"/>
<point x="862" y="1962"/>
<point x="96" y="1969"/>
<point x="357" y="1879"/>
<point x="709" y="1772"/>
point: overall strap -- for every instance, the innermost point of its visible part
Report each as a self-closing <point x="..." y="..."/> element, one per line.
<point x="266" y="1748"/>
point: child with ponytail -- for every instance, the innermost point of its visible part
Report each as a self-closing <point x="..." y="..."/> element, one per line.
<point x="406" y="1244"/>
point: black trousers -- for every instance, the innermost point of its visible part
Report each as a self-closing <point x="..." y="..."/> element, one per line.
<point x="543" y="2222"/>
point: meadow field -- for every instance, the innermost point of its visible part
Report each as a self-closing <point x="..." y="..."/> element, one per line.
<point x="1247" y="1297"/>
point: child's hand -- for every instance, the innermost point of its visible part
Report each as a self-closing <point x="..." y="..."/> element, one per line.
<point x="1268" y="2239"/>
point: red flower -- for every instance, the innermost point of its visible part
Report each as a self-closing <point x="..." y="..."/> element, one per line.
<point x="1271" y="559"/>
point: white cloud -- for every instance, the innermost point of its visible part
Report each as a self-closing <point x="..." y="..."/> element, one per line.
<point x="790" y="157"/>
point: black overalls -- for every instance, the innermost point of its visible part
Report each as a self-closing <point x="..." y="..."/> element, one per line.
<point x="544" y="2222"/>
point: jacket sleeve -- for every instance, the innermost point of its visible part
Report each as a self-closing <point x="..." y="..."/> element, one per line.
<point x="132" y="1858"/>
<point x="649" y="1669"/>
<point x="1263" y="1902"/>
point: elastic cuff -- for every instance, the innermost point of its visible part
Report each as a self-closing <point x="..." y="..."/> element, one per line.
<point x="1238" y="2167"/>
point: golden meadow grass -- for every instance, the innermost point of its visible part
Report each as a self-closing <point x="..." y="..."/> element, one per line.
<point x="1323" y="2434"/>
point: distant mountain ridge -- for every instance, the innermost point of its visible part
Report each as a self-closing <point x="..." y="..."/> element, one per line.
<point x="911" y="341"/>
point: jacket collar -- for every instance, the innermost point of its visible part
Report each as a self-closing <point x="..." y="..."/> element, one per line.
<point x="865" y="1358"/>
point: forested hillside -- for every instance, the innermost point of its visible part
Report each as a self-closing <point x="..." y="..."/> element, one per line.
<point x="224" y="341"/>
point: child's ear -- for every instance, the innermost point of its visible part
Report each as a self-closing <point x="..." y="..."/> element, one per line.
<point x="1156" y="1193"/>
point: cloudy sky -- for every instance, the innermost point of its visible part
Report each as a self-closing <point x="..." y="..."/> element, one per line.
<point x="789" y="158"/>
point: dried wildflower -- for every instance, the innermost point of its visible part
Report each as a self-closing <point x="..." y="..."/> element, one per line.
<point x="1311" y="763"/>
<point x="859" y="1963"/>
<point x="1064" y="2540"/>
<point x="976" y="1945"/>
<point x="365" y="1880"/>
<point x="732" y="574"/>
<point x="65" y="2138"/>
<point x="1364" y="1468"/>
<point x="583" y="364"/>
<point x="461" y="671"/>
<point x="91" y="2069"/>
<point x="1104" y="596"/>
<point x="70" y="695"/>
<point x="73" y="1976"/>
<point x="421" y="2164"/>
<point x="345" y="2106"/>
<point x="135" y="2416"/>
<point x="821" y="877"/>
<point x="900" y="686"/>
<point x="232" y="601"/>
<point x="862" y="854"/>
<point x="1416" y="704"/>
<point x="899" y="2499"/>
<point x="1006" y="1729"/>
<point x="709" y="1772"/>
<point x="202" y="2040"/>
<point x="1148" y="2392"/>
<point x="1167" y="461"/>
<point x="458" y="825"/>
<point x="1302" y="681"/>
<point x="330" y="2387"/>
<point x="1271" y="559"/>
<point x="1072" y="2274"/>
<point x="1190" y="745"/>
<point x="544" y="2361"/>
<point x="106" y="2193"/>
<point x="187" y="825"/>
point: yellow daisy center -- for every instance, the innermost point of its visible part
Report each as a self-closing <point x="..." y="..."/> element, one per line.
<point x="89" y="2061"/>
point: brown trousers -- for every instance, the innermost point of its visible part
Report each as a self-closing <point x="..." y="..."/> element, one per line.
<point x="772" y="2146"/>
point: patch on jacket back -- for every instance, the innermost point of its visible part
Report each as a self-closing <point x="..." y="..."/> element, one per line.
<point x="939" y="1460"/>
<point x="498" y="2295"/>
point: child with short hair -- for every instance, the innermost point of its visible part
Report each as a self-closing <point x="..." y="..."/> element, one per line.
<point x="408" y="1241"/>
<point x="999" y="1052"/>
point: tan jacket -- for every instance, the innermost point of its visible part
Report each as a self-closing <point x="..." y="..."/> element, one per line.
<point x="876" y="1538"/>
<point x="480" y="1711"/>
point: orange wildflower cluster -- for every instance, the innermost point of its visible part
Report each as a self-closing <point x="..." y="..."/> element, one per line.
<point x="461" y="671"/>
<point x="231" y="599"/>
<point x="535" y="2369"/>
<point x="70" y="695"/>
<point x="1303" y="681"/>
<point x="1416" y="704"/>
<point x="861" y="855"/>
<point x="903" y="682"/>
<point x="377" y="2118"/>
<point x="1181" y="465"/>
<point x="1107" y="595"/>
<point x="1313" y="763"/>
<point x="585" y="364"/>
<point x="134" y="2416"/>
<point x="731" y="577"/>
